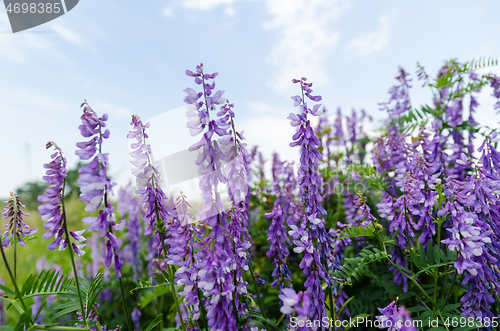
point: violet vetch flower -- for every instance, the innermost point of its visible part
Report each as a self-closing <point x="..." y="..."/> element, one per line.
<point x="52" y="213"/>
<point x="312" y="231"/>
<point x="16" y="226"/>
<point x="495" y="84"/>
<point x="298" y="304"/>
<point x="236" y="155"/>
<point x="95" y="184"/>
<point x="475" y="235"/>
<point x="215" y="260"/>
<point x="182" y="253"/>
<point x="278" y="249"/>
<point x="128" y="206"/>
<point x="152" y="196"/>
<point x="399" y="101"/>
<point x="395" y="319"/>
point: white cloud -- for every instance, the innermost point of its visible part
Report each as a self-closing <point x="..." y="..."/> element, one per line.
<point x="167" y="12"/>
<point x="306" y="37"/>
<point x="106" y="107"/>
<point x="373" y="41"/>
<point x="271" y="134"/>
<point x="206" y="4"/>
<point x="230" y="11"/>
<point x="36" y="102"/>
<point x="260" y="108"/>
<point x="16" y="47"/>
<point x="67" y="34"/>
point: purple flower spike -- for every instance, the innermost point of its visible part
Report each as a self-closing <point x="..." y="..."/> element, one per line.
<point x="52" y="213"/>
<point x="16" y="226"/>
<point x="314" y="240"/>
<point x="152" y="196"/>
<point x="95" y="183"/>
<point x="278" y="248"/>
<point x="298" y="304"/>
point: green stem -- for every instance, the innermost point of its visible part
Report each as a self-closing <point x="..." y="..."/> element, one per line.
<point x="436" y="271"/>
<point x="258" y="295"/>
<point x="14" y="237"/>
<point x="449" y="293"/>
<point x="235" y="281"/>
<point x="202" y="310"/>
<point x="160" y="311"/>
<point x="420" y="288"/>
<point x="124" y="304"/>
<point x="332" y="305"/>
<point x="70" y="250"/>
<point x="12" y="277"/>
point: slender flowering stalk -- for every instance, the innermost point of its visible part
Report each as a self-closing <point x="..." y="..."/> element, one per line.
<point x="53" y="212"/>
<point x="128" y="206"/>
<point x="152" y="195"/>
<point x="314" y="239"/>
<point x="95" y="186"/>
<point x="278" y="249"/>
<point x="16" y="226"/>
<point x="215" y="259"/>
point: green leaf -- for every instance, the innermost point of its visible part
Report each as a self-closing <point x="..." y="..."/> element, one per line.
<point x="280" y="319"/>
<point x="452" y="307"/>
<point x="45" y="283"/>
<point x="154" y="323"/>
<point x="416" y="260"/>
<point x="406" y="295"/>
<point x="416" y="309"/>
<point x="430" y="254"/>
<point x="423" y="261"/>
<point x="24" y="320"/>
<point x="436" y="254"/>
<point x="7" y="290"/>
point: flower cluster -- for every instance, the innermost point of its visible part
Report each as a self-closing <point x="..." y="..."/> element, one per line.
<point x="52" y="211"/>
<point x="96" y="185"/>
<point x="16" y="226"/>
<point x="312" y="217"/>
<point x="278" y="249"/>
<point x="152" y="195"/>
<point x="395" y="319"/>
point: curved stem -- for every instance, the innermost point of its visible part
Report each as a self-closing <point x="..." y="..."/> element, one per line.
<point x="18" y="293"/>
<point x="202" y="310"/>
<point x="70" y="250"/>
<point x="124" y="305"/>
<point x="258" y="295"/>
<point x="169" y="268"/>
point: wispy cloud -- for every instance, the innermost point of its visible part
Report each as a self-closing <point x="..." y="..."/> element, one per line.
<point x="106" y="107"/>
<point x="16" y="47"/>
<point x="371" y="42"/>
<point x="306" y="36"/>
<point x="206" y="4"/>
<point x="67" y="34"/>
<point x="23" y="99"/>
<point x="260" y="108"/>
<point x="168" y="13"/>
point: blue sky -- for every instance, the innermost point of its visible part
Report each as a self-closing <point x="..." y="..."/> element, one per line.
<point x="127" y="57"/>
